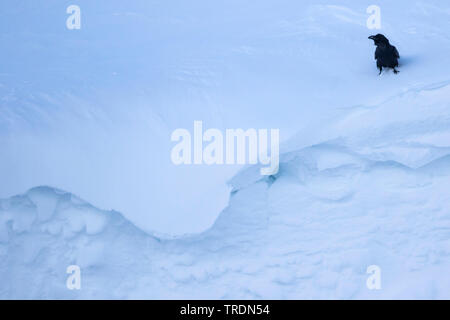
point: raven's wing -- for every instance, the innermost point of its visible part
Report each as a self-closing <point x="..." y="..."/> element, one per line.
<point x="377" y="53"/>
<point x="397" y="55"/>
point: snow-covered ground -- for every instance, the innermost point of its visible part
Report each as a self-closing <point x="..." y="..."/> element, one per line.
<point x="364" y="170"/>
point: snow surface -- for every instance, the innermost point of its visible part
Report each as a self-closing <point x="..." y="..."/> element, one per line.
<point x="378" y="194"/>
<point x="91" y="111"/>
<point x="364" y="170"/>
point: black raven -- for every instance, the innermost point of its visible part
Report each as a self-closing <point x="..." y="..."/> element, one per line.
<point x="386" y="55"/>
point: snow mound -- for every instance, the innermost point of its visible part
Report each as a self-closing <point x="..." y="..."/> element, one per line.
<point x="373" y="191"/>
<point x="45" y="230"/>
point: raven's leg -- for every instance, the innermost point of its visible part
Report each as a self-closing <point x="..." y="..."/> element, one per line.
<point x="381" y="69"/>
<point x="396" y="71"/>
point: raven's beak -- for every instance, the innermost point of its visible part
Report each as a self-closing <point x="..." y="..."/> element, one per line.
<point x="371" y="37"/>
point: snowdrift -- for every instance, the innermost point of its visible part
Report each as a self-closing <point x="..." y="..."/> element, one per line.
<point x="372" y="191"/>
<point x="91" y="111"/>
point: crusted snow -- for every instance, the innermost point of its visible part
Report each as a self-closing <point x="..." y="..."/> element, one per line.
<point x="334" y="208"/>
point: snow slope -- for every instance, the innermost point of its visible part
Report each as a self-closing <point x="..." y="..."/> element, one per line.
<point x="364" y="170"/>
<point x="91" y="111"/>
<point x="375" y="193"/>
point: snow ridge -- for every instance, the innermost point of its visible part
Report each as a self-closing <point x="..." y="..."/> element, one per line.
<point x="372" y="191"/>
